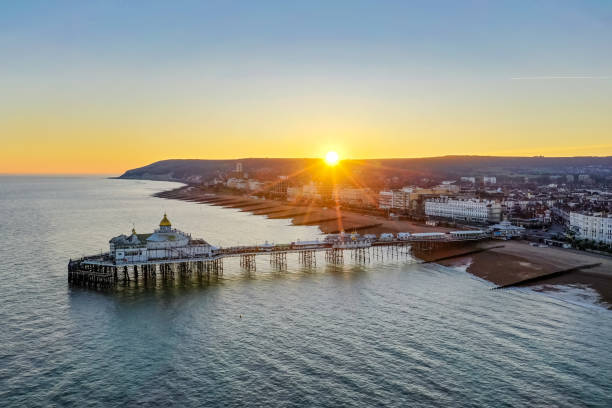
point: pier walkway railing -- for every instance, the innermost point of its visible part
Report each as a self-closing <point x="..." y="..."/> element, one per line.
<point x="103" y="269"/>
<point x="294" y="247"/>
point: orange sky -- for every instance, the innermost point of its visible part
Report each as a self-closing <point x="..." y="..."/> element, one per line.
<point x="76" y="141"/>
<point x="85" y="90"/>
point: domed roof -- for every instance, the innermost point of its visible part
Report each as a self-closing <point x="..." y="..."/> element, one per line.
<point x="165" y="222"/>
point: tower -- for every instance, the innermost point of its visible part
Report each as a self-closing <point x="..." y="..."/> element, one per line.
<point x="165" y="225"/>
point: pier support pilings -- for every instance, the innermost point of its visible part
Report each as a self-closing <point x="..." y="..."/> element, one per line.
<point x="360" y="255"/>
<point x="307" y="258"/>
<point x="278" y="260"/>
<point x="247" y="261"/>
<point x="335" y="256"/>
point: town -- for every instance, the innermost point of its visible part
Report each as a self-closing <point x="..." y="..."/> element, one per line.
<point x="570" y="209"/>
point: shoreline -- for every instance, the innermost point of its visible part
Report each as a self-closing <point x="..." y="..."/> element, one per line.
<point x="499" y="262"/>
<point x="327" y="219"/>
<point x="517" y="261"/>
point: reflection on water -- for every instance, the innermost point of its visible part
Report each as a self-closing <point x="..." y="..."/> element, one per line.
<point x="385" y="333"/>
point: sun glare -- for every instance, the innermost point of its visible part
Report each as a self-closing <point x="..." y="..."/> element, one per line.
<point x="332" y="158"/>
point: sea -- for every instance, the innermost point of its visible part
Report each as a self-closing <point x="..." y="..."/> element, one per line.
<point x="392" y="332"/>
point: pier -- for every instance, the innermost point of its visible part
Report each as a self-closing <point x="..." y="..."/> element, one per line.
<point x="103" y="271"/>
<point x="168" y="254"/>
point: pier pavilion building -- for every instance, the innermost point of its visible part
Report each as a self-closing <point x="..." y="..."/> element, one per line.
<point x="163" y="243"/>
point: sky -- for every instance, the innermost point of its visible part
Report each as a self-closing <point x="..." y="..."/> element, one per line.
<point x="105" y="86"/>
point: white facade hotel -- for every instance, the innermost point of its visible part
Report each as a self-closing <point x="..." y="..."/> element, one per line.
<point x="164" y="243"/>
<point x="470" y="210"/>
<point x="595" y="227"/>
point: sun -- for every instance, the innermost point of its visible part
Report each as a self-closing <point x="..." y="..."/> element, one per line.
<point x="332" y="158"/>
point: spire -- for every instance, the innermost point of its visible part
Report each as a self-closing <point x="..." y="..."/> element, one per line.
<point x="165" y="222"/>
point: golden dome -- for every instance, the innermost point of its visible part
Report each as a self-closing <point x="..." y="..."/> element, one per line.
<point x="165" y="222"/>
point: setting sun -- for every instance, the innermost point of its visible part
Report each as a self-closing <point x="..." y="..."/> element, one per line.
<point x="332" y="158"/>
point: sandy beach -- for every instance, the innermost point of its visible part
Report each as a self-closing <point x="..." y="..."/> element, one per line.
<point x="500" y="262"/>
<point x="328" y="220"/>
<point x="517" y="260"/>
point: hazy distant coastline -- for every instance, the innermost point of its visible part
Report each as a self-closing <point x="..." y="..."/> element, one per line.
<point x="198" y="171"/>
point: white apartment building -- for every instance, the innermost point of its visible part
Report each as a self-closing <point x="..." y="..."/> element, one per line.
<point x="405" y="198"/>
<point x="595" y="227"/>
<point x="444" y="188"/>
<point x="385" y="199"/>
<point x="294" y="193"/>
<point x="470" y="210"/>
<point x="254" y="185"/>
<point x="311" y="191"/>
<point x="237" y="183"/>
<point x="489" y="180"/>
<point x="315" y="192"/>
<point x="356" y="196"/>
<point x="244" y="184"/>
<point x="397" y="199"/>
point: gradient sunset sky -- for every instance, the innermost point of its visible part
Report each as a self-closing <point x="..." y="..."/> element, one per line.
<point x="102" y="86"/>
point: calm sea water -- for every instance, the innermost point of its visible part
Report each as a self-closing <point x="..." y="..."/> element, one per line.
<point x="392" y="334"/>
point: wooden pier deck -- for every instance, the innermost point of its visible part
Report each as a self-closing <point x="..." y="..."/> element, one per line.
<point x="104" y="271"/>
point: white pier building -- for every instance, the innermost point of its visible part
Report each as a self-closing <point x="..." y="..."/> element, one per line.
<point x="164" y="243"/>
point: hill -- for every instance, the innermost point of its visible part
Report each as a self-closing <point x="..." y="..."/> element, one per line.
<point x="373" y="171"/>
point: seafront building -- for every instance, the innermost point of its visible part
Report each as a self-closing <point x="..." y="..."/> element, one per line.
<point x="237" y="183"/>
<point x="489" y="180"/>
<point x="395" y="199"/>
<point x="467" y="179"/>
<point x="363" y="197"/>
<point x="244" y="184"/>
<point x="505" y="230"/>
<point x="468" y="210"/>
<point x="310" y="192"/>
<point x="592" y="226"/>
<point x="163" y="243"/>
<point x="359" y="197"/>
<point x="409" y="198"/>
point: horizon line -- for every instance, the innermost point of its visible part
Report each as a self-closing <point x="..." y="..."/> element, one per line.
<point x="391" y="158"/>
<point x="112" y="174"/>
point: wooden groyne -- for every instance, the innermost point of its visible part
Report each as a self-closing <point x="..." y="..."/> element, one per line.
<point x="545" y="276"/>
<point x="473" y="251"/>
